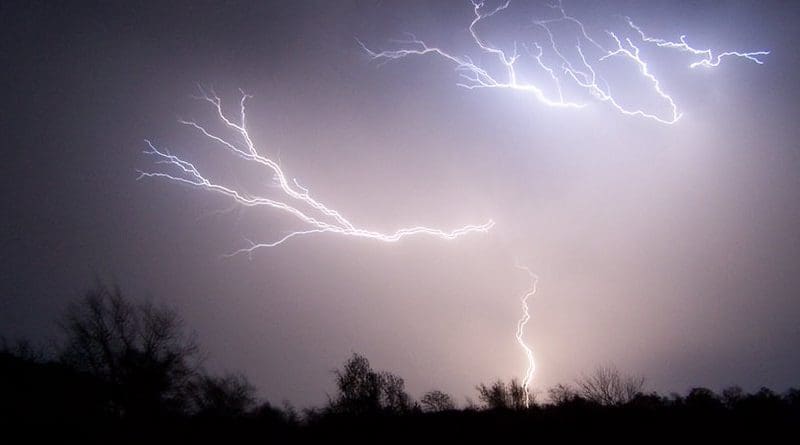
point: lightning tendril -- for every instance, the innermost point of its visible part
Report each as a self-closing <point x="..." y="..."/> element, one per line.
<point x="320" y="218"/>
<point x="708" y="59"/>
<point x="526" y="316"/>
<point x="580" y="73"/>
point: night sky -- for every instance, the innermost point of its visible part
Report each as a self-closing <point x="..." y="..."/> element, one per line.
<point x="672" y="251"/>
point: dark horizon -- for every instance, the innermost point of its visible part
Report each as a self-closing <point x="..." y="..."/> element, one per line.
<point x="669" y="251"/>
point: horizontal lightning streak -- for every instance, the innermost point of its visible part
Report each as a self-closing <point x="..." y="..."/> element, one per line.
<point x="709" y="60"/>
<point x="476" y="76"/>
<point x="318" y="216"/>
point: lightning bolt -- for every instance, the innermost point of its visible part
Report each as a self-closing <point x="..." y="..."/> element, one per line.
<point x="708" y="60"/>
<point x="475" y="76"/>
<point x="526" y="316"/>
<point x="581" y="72"/>
<point x="296" y="200"/>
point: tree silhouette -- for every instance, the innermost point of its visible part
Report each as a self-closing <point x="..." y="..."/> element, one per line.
<point x="127" y="373"/>
<point x="732" y="396"/>
<point x="58" y="398"/>
<point x="138" y="350"/>
<point x="394" y="396"/>
<point x="562" y="393"/>
<point x="607" y="386"/>
<point x="363" y="390"/>
<point x="231" y="395"/>
<point x="702" y="399"/>
<point x="500" y="395"/>
<point x="436" y="401"/>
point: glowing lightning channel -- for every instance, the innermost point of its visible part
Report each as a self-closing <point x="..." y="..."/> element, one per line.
<point x="479" y="77"/>
<point x="589" y="80"/>
<point x="526" y="316"/>
<point x="475" y="76"/>
<point x="584" y="78"/>
<point x="321" y="218"/>
<point x="709" y="59"/>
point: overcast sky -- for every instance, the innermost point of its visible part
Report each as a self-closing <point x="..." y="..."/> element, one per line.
<point x="669" y="251"/>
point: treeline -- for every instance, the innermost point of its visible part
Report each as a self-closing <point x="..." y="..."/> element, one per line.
<point x="128" y="372"/>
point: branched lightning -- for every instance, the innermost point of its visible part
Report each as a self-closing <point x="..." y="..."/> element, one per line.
<point x="526" y="316"/>
<point x="583" y="78"/>
<point x="708" y="60"/>
<point x="311" y="212"/>
<point x="475" y="76"/>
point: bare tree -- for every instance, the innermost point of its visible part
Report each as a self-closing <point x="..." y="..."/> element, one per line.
<point x="608" y="386"/>
<point x="230" y="395"/>
<point x="561" y="394"/>
<point x="139" y="350"/>
<point x="517" y="395"/>
<point x="437" y="401"/>
<point x="501" y="395"/>
<point x="494" y="396"/>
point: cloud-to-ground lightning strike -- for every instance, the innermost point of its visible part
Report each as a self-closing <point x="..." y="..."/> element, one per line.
<point x="526" y="316"/>
<point x="585" y="78"/>
<point x="311" y="212"/>
<point x="577" y="65"/>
